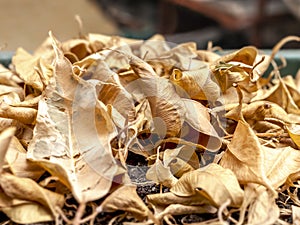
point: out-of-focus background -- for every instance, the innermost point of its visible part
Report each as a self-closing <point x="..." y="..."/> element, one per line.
<point x="227" y="23"/>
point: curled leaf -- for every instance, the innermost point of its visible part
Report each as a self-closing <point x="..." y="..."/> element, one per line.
<point x="213" y="182"/>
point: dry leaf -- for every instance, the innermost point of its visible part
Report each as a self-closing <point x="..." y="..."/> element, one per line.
<point x="260" y="206"/>
<point x="213" y="182"/>
<point x="72" y="135"/>
<point x="5" y="139"/>
<point x="280" y="163"/>
<point x="126" y="199"/>
<point x="294" y="132"/>
<point x="198" y="117"/>
<point x="181" y="160"/>
<point x="25" y="64"/>
<point x="178" y="209"/>
<point x="26" y="189"/>
<point x="197" y="84"/>
<point x="161" y="174"/>
<point x="18" y="163"/>
<point x="28" y="213"/>
<point x="245" y="157"/>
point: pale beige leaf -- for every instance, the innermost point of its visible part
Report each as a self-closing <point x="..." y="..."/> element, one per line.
<point x="196" y="84"/>
<point x="24" y="64"/>
<point x="178" y="209"/>
<point x="259" y="206"/>
<point x="28" y="213"/>
<point x="161" y="174"/>
<point x="5" y="139"/>
<point x="73" y="133"/>
<point x="168" y="198"/>
<point x="181" y="160"/>
<point x="126" y="199"/>
<point x="27" y="189"/>
<point x="153" y="47"/>
<point x="263" y="208"/>
<point x="198" y="117"/>
<point x="245" y="157"/>
<point x="213" y="181"/>
<point x="16" y="157"/>
<point x="294" y="132"/>
<point x="280" y="163"/>
<point x="296" y="214"/>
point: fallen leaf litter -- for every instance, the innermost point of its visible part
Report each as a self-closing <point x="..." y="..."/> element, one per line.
<point x="213" y="133"/>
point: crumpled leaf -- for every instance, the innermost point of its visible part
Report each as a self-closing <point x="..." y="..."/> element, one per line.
<point x="5" y="139"/>
<point x="23" y="114"/>
<point x="280" y="163"/>
<point x="27" y="213"/>
<point x="197" y="84"/>
<point x="26" y="189"/>
<point x="245" y="157"/>
<point x="25" y="65"/>
<point x="294" y="132"/>
<point x="126" y="199"/>
<point x="213" y="182"/>
<point x="71" y="137"/>
<point x="181" y="160"/>
<point x="260" y="206"/>
<point x="279" y="94"/>
<point x="198" y="117"/>
<point x="234" y="67"/>
<point x="161" y="174"/>
<point x="20" y="166"/>
<point x="164" y="102"/>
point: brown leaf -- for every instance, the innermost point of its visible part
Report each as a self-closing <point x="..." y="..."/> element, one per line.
<point x="23" y="114"/>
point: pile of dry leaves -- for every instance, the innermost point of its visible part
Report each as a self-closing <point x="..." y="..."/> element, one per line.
<point x="73" y="113"/>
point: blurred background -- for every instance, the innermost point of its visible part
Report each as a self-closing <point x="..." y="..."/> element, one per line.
<point x="227" y="23"/>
